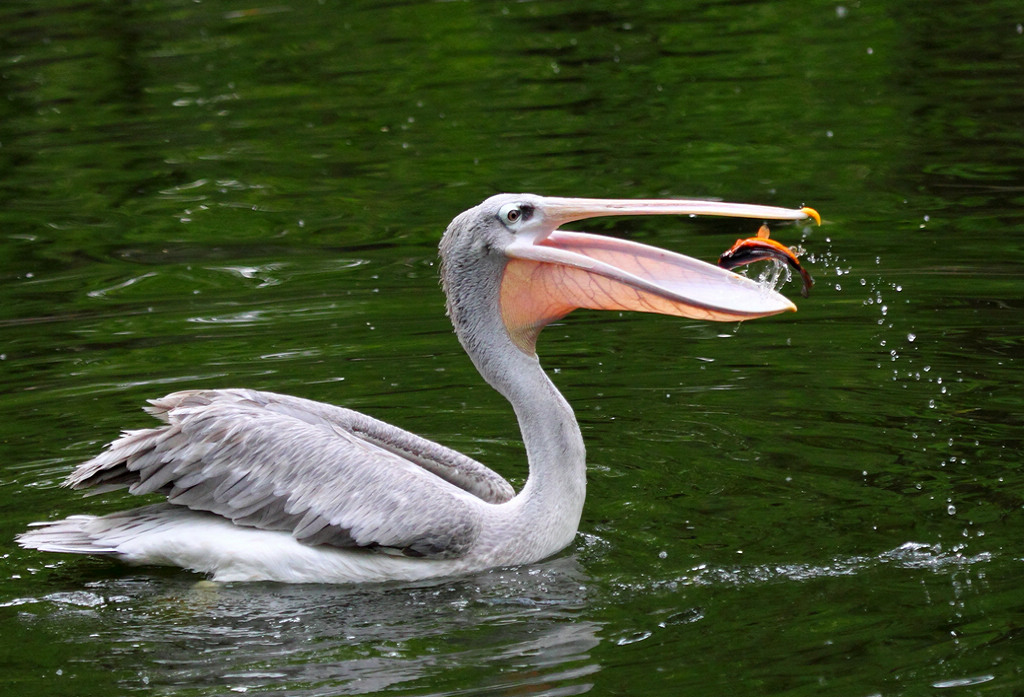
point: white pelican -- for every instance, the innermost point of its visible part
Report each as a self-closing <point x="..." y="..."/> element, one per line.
<point x="262" y="486"/>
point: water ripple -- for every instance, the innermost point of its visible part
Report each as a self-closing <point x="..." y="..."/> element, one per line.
<point x="909" y="555"/>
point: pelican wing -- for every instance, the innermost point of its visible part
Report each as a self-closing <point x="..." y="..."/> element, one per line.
<point x="328" y="475"/>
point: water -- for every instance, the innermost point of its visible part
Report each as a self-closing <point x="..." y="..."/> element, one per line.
<point x="823" y="503"/>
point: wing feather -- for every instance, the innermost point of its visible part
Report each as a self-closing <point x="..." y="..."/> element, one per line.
<point x="329" y="476"/>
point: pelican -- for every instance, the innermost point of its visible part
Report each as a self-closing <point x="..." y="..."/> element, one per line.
<point x="263" y="486"/>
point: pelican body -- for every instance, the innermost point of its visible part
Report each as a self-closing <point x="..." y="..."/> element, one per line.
<point x="262" y="486"/>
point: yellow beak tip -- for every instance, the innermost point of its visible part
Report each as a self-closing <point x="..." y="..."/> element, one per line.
<point x="811" y="213"/>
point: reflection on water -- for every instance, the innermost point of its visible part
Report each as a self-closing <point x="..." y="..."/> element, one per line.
<point x="520" y="627"/>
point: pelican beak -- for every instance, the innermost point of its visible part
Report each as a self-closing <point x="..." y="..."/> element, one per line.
<point x="552" y="272"/>
<point x="559" y="211"/>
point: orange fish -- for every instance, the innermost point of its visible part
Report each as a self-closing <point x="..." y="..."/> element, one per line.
<point x="759" y="248"/>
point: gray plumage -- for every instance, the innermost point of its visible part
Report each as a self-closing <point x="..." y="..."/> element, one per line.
<point x="328" y="475"/>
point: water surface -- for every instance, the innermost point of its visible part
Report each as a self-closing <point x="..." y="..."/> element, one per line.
<point x="827" y="503"/>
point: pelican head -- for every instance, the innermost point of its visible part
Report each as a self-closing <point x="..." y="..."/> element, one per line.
<point x="507" y="258"/>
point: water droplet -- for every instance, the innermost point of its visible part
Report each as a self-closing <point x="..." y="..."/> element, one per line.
<point x="911" y="337"/>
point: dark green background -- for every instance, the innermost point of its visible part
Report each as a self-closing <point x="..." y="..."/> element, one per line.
<point x="225" y="194"/>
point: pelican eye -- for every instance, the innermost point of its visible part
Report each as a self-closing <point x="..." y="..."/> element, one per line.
<point x="513" y="213"/>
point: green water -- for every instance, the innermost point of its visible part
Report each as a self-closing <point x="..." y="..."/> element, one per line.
<point x="827" y="503"/>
